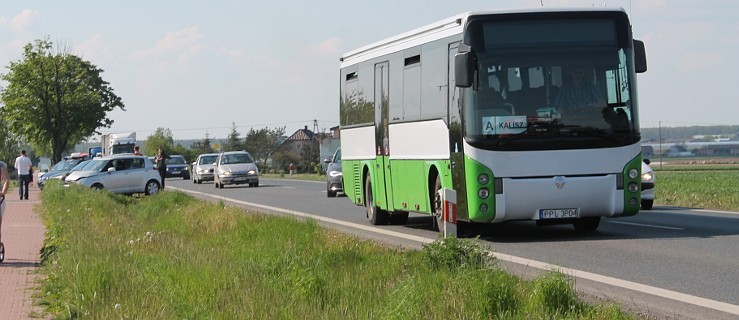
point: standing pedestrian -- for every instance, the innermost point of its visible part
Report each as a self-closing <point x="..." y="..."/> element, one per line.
<point x="136" y="151"/>
<point x="5" y="181"/>
<point x="291" y="168"/>
<point x="161" y="160"/>
<point x="23" y="164"/>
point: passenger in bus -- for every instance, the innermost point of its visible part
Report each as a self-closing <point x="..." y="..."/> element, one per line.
<point x="578" y="91"/>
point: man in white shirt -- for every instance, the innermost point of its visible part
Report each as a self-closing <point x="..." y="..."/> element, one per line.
<point x="23" y="164"/>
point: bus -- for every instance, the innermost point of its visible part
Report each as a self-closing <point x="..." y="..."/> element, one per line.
<point x="523" y="114"/>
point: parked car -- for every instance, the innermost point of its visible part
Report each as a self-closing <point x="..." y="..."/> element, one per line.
<point x="334" y="177"/>
<point x="177" y="167"/>
<point x="647" y="185"/>
<point x="58" y="171"/>
<point x="126" y="174"/>
<point x="235" y="167"/>
<point x="202" y="168"/>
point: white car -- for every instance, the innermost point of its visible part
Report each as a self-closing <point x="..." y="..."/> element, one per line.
<point x="126" y="174"/>
<point x="235" y="167"/>
<point x="647" y="185"/>
<point x="202" y="168"/>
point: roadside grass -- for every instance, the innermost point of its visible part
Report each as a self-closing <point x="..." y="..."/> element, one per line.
<point x="171" y="256"/>
<point x="710" y="188"/>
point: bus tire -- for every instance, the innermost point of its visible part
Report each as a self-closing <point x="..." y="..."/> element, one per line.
<point x="437" y="207"/>
<point x="375" y="215"/>
<point x="587" y="224"/>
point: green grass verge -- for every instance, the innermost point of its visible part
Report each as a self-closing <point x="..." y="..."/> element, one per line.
<point x="170" y="256"/>
<point x="711" y="188"/>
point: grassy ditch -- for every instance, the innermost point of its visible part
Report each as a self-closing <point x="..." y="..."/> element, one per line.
<point x="170" y="256"/>
<point x="698" y="188"/>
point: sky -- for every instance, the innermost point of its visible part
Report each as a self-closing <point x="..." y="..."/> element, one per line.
<point x="202" y="67"/>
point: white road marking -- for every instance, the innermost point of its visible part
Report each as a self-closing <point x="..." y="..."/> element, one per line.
<point x="664" y="293"/>
<point x="645" y="225"/>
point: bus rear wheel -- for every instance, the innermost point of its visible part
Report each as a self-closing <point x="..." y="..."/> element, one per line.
<point x="438" y="210"/>
<point x="375" y="215"/>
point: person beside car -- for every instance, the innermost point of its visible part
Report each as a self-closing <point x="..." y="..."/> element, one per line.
<point x="161" y="161"/>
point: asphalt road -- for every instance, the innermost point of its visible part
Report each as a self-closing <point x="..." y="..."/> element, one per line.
<point x="666" y="263"/>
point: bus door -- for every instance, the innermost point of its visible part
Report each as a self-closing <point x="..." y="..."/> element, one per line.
<point x="383" y="178"/>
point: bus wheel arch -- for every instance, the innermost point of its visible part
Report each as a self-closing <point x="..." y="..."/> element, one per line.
<point x="434" y="186"/>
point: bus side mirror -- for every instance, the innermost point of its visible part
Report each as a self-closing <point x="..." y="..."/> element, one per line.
<point x="463" y="63"/>
<point x="640" y="57"/>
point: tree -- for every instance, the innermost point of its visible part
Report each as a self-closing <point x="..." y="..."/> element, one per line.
<point x="160" y="138"/>
<point x="55" y="99"/>
<point x="8" y="144"/>
<point x="202" y="146"/>
<point x="233" y="142"/>
<point x="263" y="142"/>
<point x="309" y="154"/>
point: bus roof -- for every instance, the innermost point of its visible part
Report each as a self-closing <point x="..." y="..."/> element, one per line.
<point x="441" y="29"/>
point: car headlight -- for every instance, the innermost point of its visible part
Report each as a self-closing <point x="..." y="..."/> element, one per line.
<point x="335" y="173"/>
<point x="251" y="172"/>
<point x="226" y="173"/>
<point x="647" y="176"/>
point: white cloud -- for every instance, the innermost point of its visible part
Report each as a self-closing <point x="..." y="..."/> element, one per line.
<point x="21" y="22"/>
<point x="177" y="48"/>
<point x="95" y="50"/>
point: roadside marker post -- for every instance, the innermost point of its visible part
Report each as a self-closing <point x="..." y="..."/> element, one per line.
<point x="449" y="201"/>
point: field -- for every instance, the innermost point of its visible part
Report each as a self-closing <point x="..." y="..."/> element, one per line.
<point x="710" y="183"/>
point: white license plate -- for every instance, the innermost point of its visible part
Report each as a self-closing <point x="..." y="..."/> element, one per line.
<point x="175" y="172"/>
<point x="559" y="213"/>
<point x="240" y="179"/>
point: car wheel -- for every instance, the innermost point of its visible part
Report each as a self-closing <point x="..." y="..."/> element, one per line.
<point x="330" y="193"/>
<point x="587" y="224"/>
<point x="375" y="215"/>
<point x="152" y="187"/>
<point x="220" y="185"/>
<point x="647" y="204"/>
<point x="97" y="186"/>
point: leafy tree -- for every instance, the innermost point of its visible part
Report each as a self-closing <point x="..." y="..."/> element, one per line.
<point x="310" y="154"/>
<point x="55" y="99"/>
<point x="160" y="138"/>
<point x="189" y="154"/>
<point x="262" y="143"/>
<point x="8" y="144"/>
<point x="233" y="142"/>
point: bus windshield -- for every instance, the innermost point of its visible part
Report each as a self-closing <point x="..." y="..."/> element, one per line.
<point x="550" y="84"/>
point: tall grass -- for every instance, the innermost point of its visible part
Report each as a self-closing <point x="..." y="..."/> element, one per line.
<point x="170" y="256"/>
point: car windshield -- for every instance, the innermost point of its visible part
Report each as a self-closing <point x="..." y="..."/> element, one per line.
<point x="80" y="166"/>
<point x="176" y="160"/>
<point x="96" y="165"/>
<point x="337" y="156"/>
<point x="208" y="159"/>
<point x="65" y="165"/>
<point x="236" y="158"/>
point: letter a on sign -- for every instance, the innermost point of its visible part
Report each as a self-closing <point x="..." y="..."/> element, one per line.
<point x="449" y="201"/>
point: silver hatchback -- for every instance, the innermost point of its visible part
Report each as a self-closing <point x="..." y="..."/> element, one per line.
<point x="235" y="167"/>
<point x="127" y="174"/>
<point x="202" y="168"/>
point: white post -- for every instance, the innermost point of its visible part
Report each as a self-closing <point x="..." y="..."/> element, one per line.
<point x="449" y="202"/>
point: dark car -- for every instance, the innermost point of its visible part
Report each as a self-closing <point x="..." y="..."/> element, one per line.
<point x="59" y="170"/>
<point x="177" y="167"/>
<point x="334" y="177"/>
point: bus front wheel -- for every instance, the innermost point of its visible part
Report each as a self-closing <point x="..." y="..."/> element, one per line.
<point x="437" y="213"/>
<point x="375" y="215"/>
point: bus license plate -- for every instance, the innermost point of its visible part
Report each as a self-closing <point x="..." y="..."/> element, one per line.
<point x="559" y="213"/>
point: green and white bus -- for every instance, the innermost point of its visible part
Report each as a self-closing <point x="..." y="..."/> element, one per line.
<point x="524" y="114"/>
